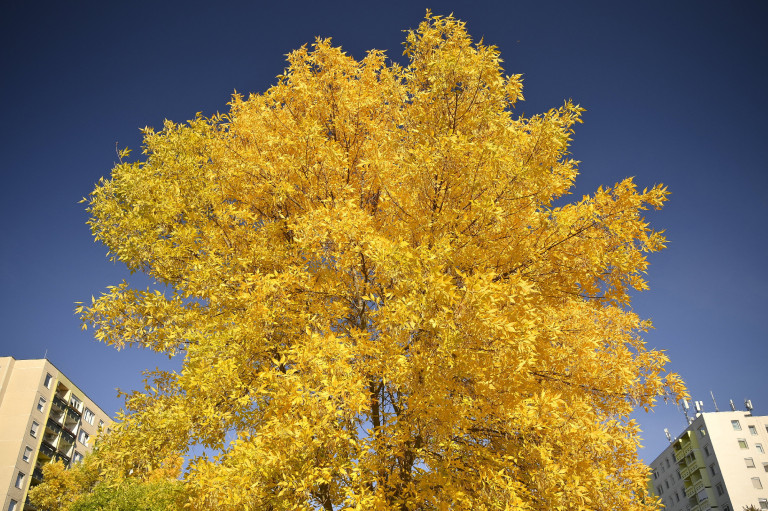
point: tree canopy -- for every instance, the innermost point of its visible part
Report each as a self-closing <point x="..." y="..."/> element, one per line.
<point x="380" y="296"/>
<point x="82" y="488"/>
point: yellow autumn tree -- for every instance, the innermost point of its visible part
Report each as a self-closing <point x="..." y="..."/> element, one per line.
<point x="83" y="488"/>
<point x="378" y="300"/>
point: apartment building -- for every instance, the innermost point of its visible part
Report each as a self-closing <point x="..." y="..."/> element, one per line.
<point x="718" y="462"/>
<point x="43" y="417"/>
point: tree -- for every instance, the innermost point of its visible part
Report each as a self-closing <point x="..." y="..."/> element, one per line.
<point x="133" y="495"/>
<point x="61" y="487"/>
<point x="82" y="488"/>
<point x="380" y="296"/>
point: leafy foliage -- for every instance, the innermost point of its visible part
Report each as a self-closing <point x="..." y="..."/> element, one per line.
<point x="61" y="487"/>
<point x="133" y="495"/>
<point x="82" y="487"/>
<point x="379" y="299"/>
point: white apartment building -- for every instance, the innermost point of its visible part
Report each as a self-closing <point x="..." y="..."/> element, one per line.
<point x="43" y="417"/>
<point x="718" y="462"/>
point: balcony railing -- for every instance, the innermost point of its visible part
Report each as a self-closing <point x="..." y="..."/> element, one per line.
<point x="68" y="436"/>
<point x="59" y="403"/>
<point x="37" y="473"/>
<point x="53" y="426"/>
<point x="47" y="449"/>
<point x="63" y="458"/>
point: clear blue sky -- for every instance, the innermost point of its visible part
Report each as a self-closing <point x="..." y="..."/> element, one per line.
<point x="675" y="92"/>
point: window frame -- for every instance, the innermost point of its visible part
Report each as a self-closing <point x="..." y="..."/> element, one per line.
<point x="34" y="430"/>
<point x="19" y="483"/>
<point x="736" y="425"/>
<point x="27" y="455"/>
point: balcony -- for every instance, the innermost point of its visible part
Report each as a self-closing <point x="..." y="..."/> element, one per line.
<point x="73" y="412"/>
<point x="47" y="449"/>
<point x="59" y="403"/>
<point x="37" y="474"/>
<point x="67" y="436"/>
<point x="53" y="426"/>
<point x="64" y="459"/>
<point x="66" y="449"/>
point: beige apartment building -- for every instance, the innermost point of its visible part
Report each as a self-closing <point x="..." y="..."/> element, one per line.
<point x="718" y="462"/>
<point x="43" y="417"/>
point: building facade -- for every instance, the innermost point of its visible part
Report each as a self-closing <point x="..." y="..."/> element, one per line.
<point x="43" y="417"/>
<point x="718" y="462"/>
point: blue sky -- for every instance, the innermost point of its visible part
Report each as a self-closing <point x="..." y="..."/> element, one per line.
<point x="675" y="93"/>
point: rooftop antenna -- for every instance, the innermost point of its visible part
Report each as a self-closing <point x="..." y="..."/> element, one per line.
<point x="46" y="354"/>
<point x="733" y="406"/>
<point x="669" y="437"/>
<point x="685" y="411"/>
<point x="697" y="405"/>
<point x="748" y="405"/>
<point x="713" y="400"/>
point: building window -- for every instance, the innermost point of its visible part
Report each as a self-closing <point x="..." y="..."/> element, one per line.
<point x="88" y="416"/>
<point x="720" y="489"/>
<point x="13" y="505"/>
<point x="756" y="483"/>
<point x="19" y="480"/>
<point x="759" y="448"/>
<point x="702" y="432"/>
<point x="48" y="380"/>
<point x="83" y="437"/>
<point x="41" y="405"/>
<point x="678" y="474"/>
<point x="75" y="403"/>
<point x="763" y="503"/>
<point x="736" y="425"/>
<point x="101" y="424"/>
<point x="752" y="430"/>
<point x="726" y="508"/>
<point x="27" y="454"/>
<point x="765" y="467"/>
<point x="77" y="458"/>
<point x="706" y="450"/>
<point x="743" y="444"/>
<point x="33" y="430"/>
<point x="750" y="462"/>
<point x="712" y="469"/>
